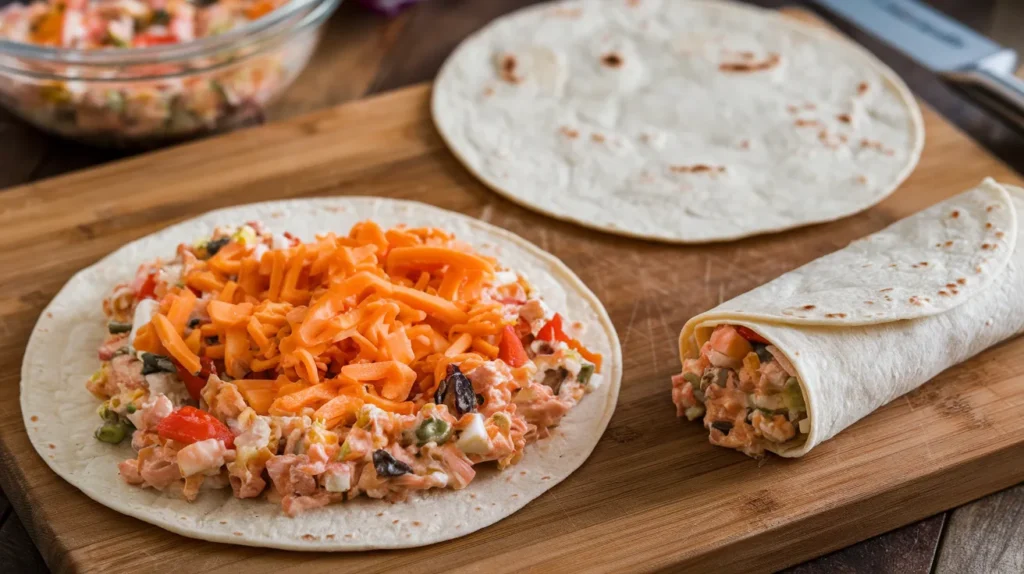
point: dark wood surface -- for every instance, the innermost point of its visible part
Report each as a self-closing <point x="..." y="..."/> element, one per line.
<point x="363" y="54"/>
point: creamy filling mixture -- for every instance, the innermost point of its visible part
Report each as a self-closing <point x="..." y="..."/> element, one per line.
<point x="250" y="416"/>
<point x="178" y="103"/>
<point x="746" y="391"/>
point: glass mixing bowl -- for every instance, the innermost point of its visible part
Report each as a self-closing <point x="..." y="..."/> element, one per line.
<point x="149" y="96"/>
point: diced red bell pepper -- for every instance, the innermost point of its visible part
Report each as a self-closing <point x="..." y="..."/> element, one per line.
<point x="552" y="330"/>
<point x="148" y="288"/>
<point x="750" y="335"/>
<point x="189" y="425"/>
<point x="195" y="383"/>
<point x="510" y="348"/>
<point x="146" y="40"/>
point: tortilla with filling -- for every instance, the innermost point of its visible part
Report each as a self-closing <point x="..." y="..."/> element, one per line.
<point x="676" y="120"/>
<point x="60" y="415"/>
<point x="857" y="328"/>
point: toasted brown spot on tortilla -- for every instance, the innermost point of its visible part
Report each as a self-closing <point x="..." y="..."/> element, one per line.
<point x="886" y="289"/>
<point x="862" y="88"/>
<point x="875" y="145"/>
<point x="237" y="533"/>
<point x="802" y="123"/>
<point x="545" y="478"/>
<point x="597" y="137"/>
<point x="745" y="144"/>
<point x="943" y="293"/>
<point x="223" y="521"/>
<point x="569" y="132"/>
<point x="793" y="109"/>
<point x="34" y="418"/>
<point x="915" y="301"/>
<point x="632" y="3"/>
<point x="835" y="315"/>
<point x="508" y="69"/>
<point x="955" y="214"/>
<point x="949" y="243"/>
<point x="990" y="208"/>
<point x="52" y="446"/>
<point x="807" y="307"/>
<point x="478" y="509"/>
<point x="869" y="302"/>
<point x="862" y="179"/>
<point x="612" y="60"/>
<point x="987" y="246"/>
<point x="698" y="168"/>
<point x="488" y="91"/>
<point x="395" y="521"/>
<point x="845" y="118"/>
<point x="416" y="523"/>
<point x="770" y="62"/>
<point x="951" y="285"/>
<point x="978" y="269"/>
<point x="380" y="514"/>
<point x="330" y="537"/>
<point x="988" y="225"/>
<point x="308" y="537"/>
<point x="999" y="235"/>
<point x="962" y="281"/>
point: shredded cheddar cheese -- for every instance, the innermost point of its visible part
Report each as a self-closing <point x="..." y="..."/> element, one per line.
<point x="327" y="326"/>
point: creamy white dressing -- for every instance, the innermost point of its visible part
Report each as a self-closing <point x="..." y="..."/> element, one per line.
<point x="205" y="456"/>
<point x="168" y="385"/>
<point x="256" y="436"/>
<point x="144" y="311"/>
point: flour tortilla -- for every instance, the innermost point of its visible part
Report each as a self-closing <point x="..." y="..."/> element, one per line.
<point x="877" y="319"/>
<point x="62" y="353"/>
<point x="617" y="116"/>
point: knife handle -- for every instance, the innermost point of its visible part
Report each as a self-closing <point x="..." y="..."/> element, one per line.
<point x="1000" y="92"/>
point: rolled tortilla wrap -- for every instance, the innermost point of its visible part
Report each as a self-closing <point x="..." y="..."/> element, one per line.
<point x="875" y="320"/>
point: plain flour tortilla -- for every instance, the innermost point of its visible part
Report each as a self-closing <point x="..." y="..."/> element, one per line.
<point x="676" y="120"/>
<point x="60" y="414"/>
<point x="873" y="321"/>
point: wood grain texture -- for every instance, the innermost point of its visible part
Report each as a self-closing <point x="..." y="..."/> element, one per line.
<point x="359" y="48"/>
<point x="986" y="536"/>
<point x="651" y="478"/>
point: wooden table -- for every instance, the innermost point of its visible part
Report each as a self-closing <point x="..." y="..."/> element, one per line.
<point x="363" y="54"/>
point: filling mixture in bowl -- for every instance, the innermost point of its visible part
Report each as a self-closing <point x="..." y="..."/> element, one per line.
<point x="373" y="364"/>
<point x="746" y="390"/>
<point x="152" y="99"/>
<point x="95" y="24"/>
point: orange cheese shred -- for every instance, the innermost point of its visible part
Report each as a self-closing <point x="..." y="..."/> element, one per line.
<point x="372" y="317"/>
<point x="175" y="345"/>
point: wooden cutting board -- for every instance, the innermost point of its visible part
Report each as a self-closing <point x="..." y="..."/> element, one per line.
<point x="654" y="494"/>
